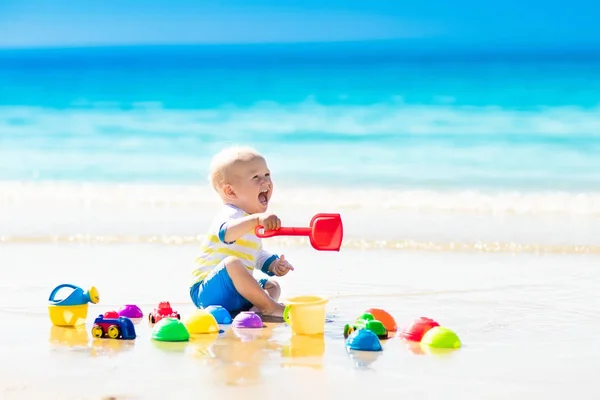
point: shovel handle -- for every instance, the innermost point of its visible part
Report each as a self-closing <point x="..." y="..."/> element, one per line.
<point x="261" y="233"/>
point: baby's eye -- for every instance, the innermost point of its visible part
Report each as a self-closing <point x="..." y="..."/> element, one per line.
<point x="255" y="177"/>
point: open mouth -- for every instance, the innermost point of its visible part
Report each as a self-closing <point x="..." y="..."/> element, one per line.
<point x="263" y="197"/>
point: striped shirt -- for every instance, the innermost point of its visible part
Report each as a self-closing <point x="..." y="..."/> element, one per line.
<point x="213" y="248"/>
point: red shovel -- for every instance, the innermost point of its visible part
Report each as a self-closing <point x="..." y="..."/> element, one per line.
<point x="325" y="232"/>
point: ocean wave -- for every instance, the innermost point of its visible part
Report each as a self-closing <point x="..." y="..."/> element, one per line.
<point x="464" y="149"/>
<point x="69" y="195"/>
<point x="392" y="119"/>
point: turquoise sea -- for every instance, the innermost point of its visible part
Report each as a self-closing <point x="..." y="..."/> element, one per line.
<point x="448" y="130"/>
<point x="331" y="115"/>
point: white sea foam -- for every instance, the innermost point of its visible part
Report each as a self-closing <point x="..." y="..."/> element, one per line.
<point x="469" y="221"/>
<point x="133" y="196"/>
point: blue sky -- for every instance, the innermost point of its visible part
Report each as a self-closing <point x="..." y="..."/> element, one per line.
<point x="33" y="23"/>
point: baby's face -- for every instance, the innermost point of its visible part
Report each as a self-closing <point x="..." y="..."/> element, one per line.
<point x="252" y="185"/>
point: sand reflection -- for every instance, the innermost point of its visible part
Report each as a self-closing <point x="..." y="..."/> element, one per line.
<point x="304" y="351"/>
<point x="77" y="336"/>
<point x="363" y="359"/>
<point x="240" y="355"/>
<point x="201" y="345"/>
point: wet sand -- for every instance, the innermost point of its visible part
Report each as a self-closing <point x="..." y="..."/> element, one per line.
<point x="528" y="324"/>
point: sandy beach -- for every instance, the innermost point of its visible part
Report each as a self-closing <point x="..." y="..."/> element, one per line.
<point x="527" y="321"/>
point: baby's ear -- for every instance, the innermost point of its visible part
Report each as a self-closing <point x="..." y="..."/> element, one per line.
<point x="228" y="191"/>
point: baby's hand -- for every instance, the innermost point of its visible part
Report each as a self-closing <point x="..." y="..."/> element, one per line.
<point x="269" y="221"/>
<point x="281" y="267"/>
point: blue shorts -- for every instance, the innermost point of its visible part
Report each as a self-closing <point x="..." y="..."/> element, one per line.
<point x="217" y="289"/>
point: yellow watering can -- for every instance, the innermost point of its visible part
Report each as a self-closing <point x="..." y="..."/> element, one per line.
<point x="73" y="309"/>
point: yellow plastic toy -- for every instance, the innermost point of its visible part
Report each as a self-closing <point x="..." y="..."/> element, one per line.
<point x="73" y="309"/>
<point x="200" y="322"/>
<point x="306" y="314"/>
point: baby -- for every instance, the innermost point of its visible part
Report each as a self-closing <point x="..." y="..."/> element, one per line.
<point x="231" y="250"/>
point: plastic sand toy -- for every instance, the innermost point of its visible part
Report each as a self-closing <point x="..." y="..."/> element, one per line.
<point x="386" y="318"/>
<point x="201" y="322"/>
<point x="131" y="311"/>
<point x="163" y="310"/>
<point x="111" y="314"/>
<point x="220" y="313"/>
<point x="363" y="340"/>
<point x="170" y="330"/>
<point x="113" y="328"/>
<point x="247" y="319"/>
<point x="325" y="232"/>
<point x="415" y="331"/>
<point x="367" y="321"/>
<point x="306" y="314"/>
<point x="73" y="309"/>
<point x="441" y="338"/>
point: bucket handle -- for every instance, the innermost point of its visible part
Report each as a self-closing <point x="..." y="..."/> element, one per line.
<point x="56" y="289"/>
<point x="286" y="313"/>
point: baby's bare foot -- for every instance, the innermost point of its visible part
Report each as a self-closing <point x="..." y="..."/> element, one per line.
<point x="276" y="311"/>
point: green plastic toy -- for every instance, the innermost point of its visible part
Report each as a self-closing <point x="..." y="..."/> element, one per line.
<point x="368" y="322"/>
<point x="170" y="330"/>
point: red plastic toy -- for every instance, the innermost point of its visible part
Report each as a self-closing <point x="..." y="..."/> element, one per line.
<point x="111" y="315"/>
<point x="163" y="310"/>
<point x="325" y="232"/>
<point x="419" y="327"/>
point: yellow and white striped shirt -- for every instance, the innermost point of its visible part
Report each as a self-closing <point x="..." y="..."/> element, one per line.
<point x="214" y="249"/>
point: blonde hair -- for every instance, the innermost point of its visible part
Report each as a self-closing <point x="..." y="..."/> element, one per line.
<point x="221" y="163"/>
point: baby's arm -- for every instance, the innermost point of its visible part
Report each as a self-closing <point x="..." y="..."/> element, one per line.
<point x="264" y="261"/>
<point x="273" y="265"/>
<point x="233" y="229"/>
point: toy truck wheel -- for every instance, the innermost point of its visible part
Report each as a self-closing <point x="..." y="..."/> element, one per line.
<point x="348" y="331"/>
<point x="113" y="332"/>
<point x="97" y="331"/>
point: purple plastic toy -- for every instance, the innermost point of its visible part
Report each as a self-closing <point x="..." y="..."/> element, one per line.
<point x="247" y="319"/>
<point x="131" y="311"/>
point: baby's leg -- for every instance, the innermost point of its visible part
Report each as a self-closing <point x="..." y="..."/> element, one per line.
<point x="273" y="290"/>
<point x="247" y="286"/>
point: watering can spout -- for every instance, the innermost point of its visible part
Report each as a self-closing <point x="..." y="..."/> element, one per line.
<point x="76" y="297"/>
<point x="92" y="295"/>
